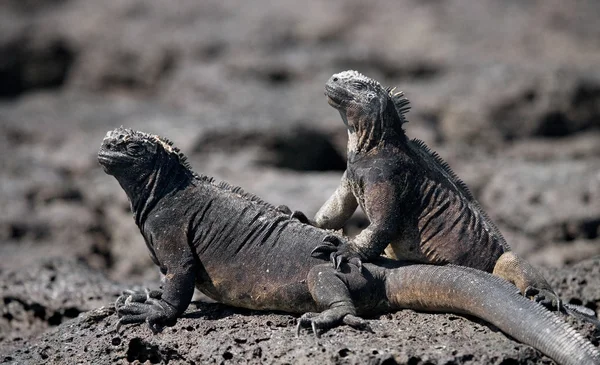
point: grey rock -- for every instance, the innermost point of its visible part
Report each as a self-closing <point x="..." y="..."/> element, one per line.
<point x="554" y="201"/>
<point x="47" y="294"/>
<point x="213" y="333"/>
<point x="238" y="87"/>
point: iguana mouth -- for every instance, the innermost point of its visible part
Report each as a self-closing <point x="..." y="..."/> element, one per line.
<point x="331" y="101"/>
<point x="333" y="98"/>
<point x="106" y="159"/>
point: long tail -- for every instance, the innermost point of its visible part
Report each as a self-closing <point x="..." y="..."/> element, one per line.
<point x="582" y="313"/>
<point x="464" y="290"/>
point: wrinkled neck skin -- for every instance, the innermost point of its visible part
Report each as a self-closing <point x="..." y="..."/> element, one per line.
<point x="145" y="189"/>
<point x="369" y="130"/>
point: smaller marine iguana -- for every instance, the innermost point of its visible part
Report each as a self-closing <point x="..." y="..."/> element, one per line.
<point x="417" y="207"/>
<point x="239" y="250"/>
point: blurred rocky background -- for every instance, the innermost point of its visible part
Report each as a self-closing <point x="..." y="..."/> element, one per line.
<point x="507" y="92"/>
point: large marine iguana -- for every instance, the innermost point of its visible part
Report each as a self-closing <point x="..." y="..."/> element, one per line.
<point x="239" y="250"/>
<point x="417" y="207"/>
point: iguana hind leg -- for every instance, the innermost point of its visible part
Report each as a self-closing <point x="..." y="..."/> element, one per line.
<point x="527" y="279"/>
<point x="329" y="288"/>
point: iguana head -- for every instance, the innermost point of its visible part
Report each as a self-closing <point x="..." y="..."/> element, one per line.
<point x="144" y="164"/>
<point x="369" y="110"/>
<point x="128" y="152"/>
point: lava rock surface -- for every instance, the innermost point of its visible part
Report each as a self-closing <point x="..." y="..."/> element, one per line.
<point x="508" y="93"/>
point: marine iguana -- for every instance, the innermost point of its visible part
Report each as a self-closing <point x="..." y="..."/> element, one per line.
<point x="239" y="250"/>
<point x="416" y="205"/>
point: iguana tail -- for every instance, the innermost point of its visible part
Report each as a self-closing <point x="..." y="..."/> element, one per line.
<point x="464" y="290"/>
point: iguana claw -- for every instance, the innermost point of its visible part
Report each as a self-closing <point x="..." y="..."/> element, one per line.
<point x="338" y="258"/>
<point x="321" y="322"/>
<point x="335" y="247"/>
<point x="138" y="306"/>
<point x="545" y="297"/>
<point x="329" y="246"/>
<point x="295" y="214"/>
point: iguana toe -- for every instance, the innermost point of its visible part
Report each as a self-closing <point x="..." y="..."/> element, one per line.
<point x="346" y="256"/>
<point x="545" y="297"/>
<point x="317" y="323"/>
<point x="321" y="322"/>
<point x="307" y="320"/>
<point x="137" y="296"/>
<point x="295" y="214"/>
<point x="155" y="312"/>
<point x="330" y="245"/>
<point x="357" y="323"/>
<point x="337" y="249"/>
<point x="323" y="250"/>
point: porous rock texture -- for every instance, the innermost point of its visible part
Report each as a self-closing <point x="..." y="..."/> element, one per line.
<point x="213" y="333"/>
<point x="507" y="92"/>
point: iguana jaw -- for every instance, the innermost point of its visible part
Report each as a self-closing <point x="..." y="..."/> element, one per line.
<point x="339" y="100"/>
<point x="336" y="98"/>
<point x="333" y="102"/>
<point x="112" y="161"/>
<point x="106" y="161"/>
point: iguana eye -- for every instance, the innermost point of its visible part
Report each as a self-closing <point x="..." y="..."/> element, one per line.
<point x="359" y="86"/>
<point x="135" y="149"/>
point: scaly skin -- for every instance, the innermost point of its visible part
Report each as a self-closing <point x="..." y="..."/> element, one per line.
<point x="242" y="251"/>
<point x="417" y="207"/>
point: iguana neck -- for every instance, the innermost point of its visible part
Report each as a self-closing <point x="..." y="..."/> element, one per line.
<point x="167" y="176"/>
<point x="369" y="130"/>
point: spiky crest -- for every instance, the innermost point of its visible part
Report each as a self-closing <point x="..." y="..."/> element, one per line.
<point x="244" y="194"/>
<point x="400" y="101"/>
<point x="421" y="146"/>
<point x="168" y="147"/>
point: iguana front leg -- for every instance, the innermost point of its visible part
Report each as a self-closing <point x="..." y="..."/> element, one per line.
<point x="338" y="208"/>
<point x="382" y="207"/>
<point x="159" y="308"/>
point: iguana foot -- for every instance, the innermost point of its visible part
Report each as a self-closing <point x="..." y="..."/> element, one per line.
<point x="295" y="214"/>
<point x="530" y="282"/>
<point x="144" y="306"/>
<point x="339" y="252"/>
<point x="545" y="297"/>
<point x="321" y="322"/>
<point x="138" y="296"/>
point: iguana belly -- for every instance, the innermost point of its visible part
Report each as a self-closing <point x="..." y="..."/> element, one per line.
<point x="408" y="247"/>
<point x="446" y="252"/>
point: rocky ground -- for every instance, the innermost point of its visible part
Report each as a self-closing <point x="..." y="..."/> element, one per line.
<point x="507" y="92"/>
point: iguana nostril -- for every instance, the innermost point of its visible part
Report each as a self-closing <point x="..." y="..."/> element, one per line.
<point x="335" y="79"/>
